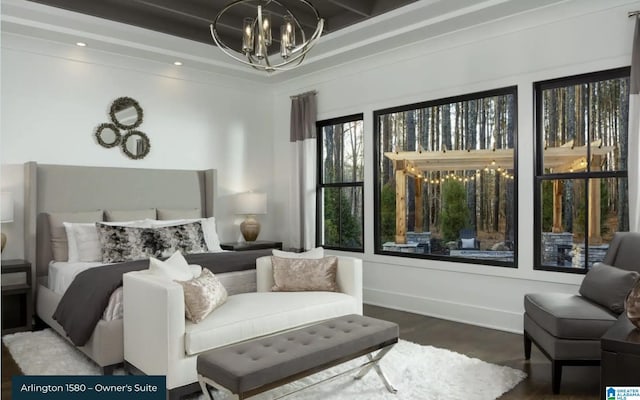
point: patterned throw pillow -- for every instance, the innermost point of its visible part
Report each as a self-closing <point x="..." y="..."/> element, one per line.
<point x="186" y="238"/>
<point x="126" y="243"/>
<point x="202" y="295"/>
<point x="303" y="274"/>
<point x="632" y="305"/>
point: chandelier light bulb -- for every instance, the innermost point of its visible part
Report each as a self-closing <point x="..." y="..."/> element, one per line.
<point x="247" y="36"/>
<point x="266" y="28"/>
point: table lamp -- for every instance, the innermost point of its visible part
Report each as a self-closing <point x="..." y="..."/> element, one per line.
<point x="251" y="204"/>
<point x="6" y="213"/>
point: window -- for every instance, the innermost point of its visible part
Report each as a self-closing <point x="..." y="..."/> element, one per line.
<point x="446" y="179"/>
<point x="581" y="187"/>
<point x="340" y="184"/>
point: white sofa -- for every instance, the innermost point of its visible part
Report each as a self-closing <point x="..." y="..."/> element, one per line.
<point x="158" y="340"/>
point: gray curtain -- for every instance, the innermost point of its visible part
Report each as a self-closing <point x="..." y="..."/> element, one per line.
<point x="634" y="133"/>
<point x="303" y="116"/>
<point x="302" y="195"/>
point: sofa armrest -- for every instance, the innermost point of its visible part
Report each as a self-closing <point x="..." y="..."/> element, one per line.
<point x="349" y="276"/>
<point x="154" y="322"/>
<point x="264" y="274"/>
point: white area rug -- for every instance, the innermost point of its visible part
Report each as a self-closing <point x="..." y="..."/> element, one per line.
<point x="418" y="372"/>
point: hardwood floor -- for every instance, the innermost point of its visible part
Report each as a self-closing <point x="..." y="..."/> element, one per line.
<point x="578" y="383"/>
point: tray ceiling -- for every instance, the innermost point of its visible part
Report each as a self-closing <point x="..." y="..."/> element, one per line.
<point x="190" y="19"/>
<point x="168" y="30"/>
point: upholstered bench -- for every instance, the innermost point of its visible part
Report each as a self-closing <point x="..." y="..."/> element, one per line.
<point x="248" y="368"/>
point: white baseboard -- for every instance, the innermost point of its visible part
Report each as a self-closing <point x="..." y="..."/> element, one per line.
<point x="466" y="313"/>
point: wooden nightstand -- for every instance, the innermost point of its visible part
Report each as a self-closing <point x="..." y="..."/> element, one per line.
<point x="258" y="244"/>
<point x="17" y="301"/>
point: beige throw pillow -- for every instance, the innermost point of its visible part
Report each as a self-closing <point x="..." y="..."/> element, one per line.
<point x="315" y="254"/>
<point x="301" y="274"/>
<point x="59" y="243"/>
<point x="202" y="295"/>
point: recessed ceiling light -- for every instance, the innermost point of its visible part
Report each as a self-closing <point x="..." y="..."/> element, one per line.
<point x="178" y="63"/>
<point x="81" y="44"/>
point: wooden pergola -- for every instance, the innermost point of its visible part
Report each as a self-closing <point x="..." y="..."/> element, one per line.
<point x="566" y="158"/>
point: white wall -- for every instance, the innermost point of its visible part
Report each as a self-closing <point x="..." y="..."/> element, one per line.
<point x="54" y="95"/>
<point x="575" y="37"/>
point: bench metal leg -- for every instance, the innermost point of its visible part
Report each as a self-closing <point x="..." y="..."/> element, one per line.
<point x="204" y="381"/>
<point x="373" y="363"/>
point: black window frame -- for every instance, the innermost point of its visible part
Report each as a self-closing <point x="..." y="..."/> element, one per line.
<point x="321" y="185"/>
<point x="506" y="90"/>
<point x="538" y="171"/>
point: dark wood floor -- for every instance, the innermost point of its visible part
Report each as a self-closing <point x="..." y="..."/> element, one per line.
<point x="578" y="383"/>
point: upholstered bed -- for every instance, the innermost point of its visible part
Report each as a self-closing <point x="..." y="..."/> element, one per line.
<point x="51" y="189"/>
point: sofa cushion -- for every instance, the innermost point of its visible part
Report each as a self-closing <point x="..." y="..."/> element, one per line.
<point x="608" y="286"/>
<point x="568" y="316"/>
<point x="249" y="315"/>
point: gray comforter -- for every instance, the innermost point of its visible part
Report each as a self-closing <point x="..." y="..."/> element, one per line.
<point x="83" y="304"/>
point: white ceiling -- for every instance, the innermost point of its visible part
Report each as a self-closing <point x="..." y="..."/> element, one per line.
<point x="418" y="21"/>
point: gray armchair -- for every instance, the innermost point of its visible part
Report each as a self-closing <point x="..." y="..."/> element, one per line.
<point x="567" y="328"/>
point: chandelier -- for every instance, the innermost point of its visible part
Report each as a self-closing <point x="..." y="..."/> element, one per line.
<point x="258" y="44"/>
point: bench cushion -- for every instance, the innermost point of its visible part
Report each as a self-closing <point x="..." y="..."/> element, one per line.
<point x="252" y="364"/>
<point x="568" y="316"/>
<point x="249" y="315"/>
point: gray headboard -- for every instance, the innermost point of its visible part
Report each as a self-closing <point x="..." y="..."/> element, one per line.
<point x="68" y="188"/>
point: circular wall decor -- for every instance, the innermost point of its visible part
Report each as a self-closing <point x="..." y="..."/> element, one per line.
<point x="126" y="113"/>
<point x="135" y="145"/>
<point x="108" y="135"/>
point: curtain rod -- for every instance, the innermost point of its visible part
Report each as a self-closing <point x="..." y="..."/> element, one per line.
<point x="634" y="13"/>
<point x="302" y="94"/>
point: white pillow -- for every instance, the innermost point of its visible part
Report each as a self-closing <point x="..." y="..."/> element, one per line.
<point x="72" y="247"/>
<point x="468" y="243"/>
<point x="84" y="244"/>
<point x="208" y="229"/>
<point x="175" y="268"/>
<point x="83" y="240"/>
<point x="313" y="254"/>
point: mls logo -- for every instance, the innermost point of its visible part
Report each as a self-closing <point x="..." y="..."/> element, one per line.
<point x="622" y="393"/>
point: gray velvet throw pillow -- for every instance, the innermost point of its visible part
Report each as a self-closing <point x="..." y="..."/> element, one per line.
<point x="608" y="286"/>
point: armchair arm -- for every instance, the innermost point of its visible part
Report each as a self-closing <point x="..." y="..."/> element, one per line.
<point x="154" y="322"/>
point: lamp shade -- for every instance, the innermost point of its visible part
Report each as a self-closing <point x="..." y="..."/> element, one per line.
<point x="251" y="203"/>
<point x="6" y="207"/>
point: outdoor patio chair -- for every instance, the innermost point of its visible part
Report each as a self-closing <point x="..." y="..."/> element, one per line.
<point x="467" y="240"/>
